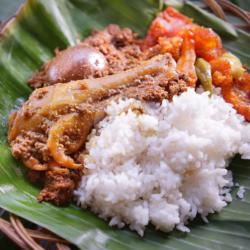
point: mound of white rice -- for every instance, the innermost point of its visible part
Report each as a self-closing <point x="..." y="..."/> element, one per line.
<point x="163" y="166"/>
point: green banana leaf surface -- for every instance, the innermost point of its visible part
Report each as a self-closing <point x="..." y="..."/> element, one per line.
<point x="28" y="42"/>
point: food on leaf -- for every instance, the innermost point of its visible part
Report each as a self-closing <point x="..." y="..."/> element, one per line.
<point x="120" y="124"/>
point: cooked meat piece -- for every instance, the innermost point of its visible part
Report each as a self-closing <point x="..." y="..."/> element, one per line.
<point x="105" y="52"/>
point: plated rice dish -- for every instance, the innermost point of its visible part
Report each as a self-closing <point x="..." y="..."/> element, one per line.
<point x="139" y="131"/>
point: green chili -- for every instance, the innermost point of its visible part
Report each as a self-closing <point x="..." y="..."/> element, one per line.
<point x="203" y="71"/>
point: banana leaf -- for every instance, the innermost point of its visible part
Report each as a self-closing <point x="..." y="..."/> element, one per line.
<point x="29" y="41"/>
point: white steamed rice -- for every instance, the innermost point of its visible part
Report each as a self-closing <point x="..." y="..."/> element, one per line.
<point x="241" y="192"/>
<point x="163" y="166"/>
